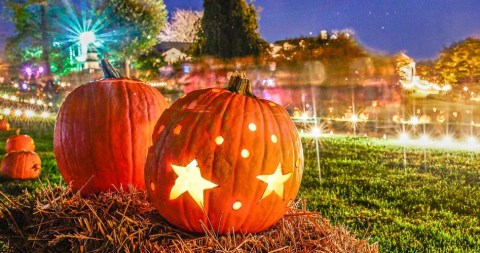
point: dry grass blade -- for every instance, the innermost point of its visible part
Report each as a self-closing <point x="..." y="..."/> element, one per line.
<point x="55" y="219"/>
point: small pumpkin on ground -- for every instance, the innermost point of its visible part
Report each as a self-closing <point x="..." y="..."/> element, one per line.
<point x="103" y="131"/>
<point x="224" y="158"/>
<point x="21" y="165"/>
<point x="19" y="142"/>
<point x="4" y="125"/>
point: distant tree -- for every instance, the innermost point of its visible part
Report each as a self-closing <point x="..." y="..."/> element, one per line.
<point x="149" y="64"/>
<point x="137" y="24"/>
<point x="459" y="64"/>
<point x="32" y="20"/>
<point x="229" y="29"/>
<point x="426" y="70"/>
<point x="183" y="27"/>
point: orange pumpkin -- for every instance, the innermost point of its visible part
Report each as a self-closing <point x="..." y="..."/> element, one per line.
<point x="19" y="142"/>
<point x="103" y="131"/>
<point x="4" y="125"/>
<point x="21" y="165"/>
<point x="224" y="158"/>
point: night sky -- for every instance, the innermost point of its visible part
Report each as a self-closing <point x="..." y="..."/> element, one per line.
<point x="422" y="28"/>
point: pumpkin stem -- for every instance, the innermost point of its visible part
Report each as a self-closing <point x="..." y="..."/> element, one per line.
<point x="18" y="131"/>
<point x="240" y="84"/>
<point x="109" y="71"/>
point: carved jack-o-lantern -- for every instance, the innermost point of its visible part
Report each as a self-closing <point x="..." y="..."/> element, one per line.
<point x="224" y="158"/>
<point x="21" y="165"/>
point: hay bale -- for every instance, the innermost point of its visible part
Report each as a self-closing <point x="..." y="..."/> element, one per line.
<point x="55" y="219"/>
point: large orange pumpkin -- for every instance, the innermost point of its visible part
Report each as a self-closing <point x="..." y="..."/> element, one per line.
<point x="19" y="142"/>
<point x="226" y="159"/>
<point x="21" y="165"/>
<point x="103" y="131"/>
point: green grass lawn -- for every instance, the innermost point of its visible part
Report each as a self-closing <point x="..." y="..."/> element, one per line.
<point x="431" y="205"/>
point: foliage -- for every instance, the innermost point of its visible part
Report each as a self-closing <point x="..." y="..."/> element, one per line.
<point x="229" y="29"/>
<point x="458" y="65"/>
<point x="149" y="64"/>
<point x="33" y="31"/>
<point x="140" y="23"/>
<point x="342" y="57"/>
<point x="426" y="70"/>
<point x="183" y="26"/>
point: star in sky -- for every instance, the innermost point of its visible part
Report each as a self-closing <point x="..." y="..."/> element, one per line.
<point x="275" y="182"/>
<point x="190" y="180"/>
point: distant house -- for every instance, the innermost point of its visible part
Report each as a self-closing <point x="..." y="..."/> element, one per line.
<point x="173" y="51"/>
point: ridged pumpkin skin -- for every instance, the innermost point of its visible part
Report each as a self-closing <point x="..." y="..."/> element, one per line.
<point x="21" y="165"/>
<point x="103" y="131"/>
<point x="191" y="129"/>
<point x="19" y="142"/>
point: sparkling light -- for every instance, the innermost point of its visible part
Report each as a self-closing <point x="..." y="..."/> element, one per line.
<point x="28" y="71"/>
<point x="472" y="141"/>
<point x="414" y="120"/>
<point x="448" y="140"/>
<point x="316" y="132"/>
<point x="29" y="113"/>
<point x="354" y="118"/>
<point x="404" y="137"/>
<point x="44" y="115"/>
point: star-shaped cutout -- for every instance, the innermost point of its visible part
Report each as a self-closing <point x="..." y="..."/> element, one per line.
<point x="275" y="182"/>
<point x="190" y="180"/>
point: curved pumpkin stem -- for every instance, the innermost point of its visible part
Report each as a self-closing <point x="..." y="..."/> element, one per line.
<point x="17" y="131"/>
<point x="109" y="71"/>
<point x="240" y="84"/>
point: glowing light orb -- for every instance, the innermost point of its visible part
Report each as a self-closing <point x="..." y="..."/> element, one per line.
<point x="252" y="127"/>
<point x="403" y="137"/>
<point x="316" y="132"/>
<point x="7" y="111"/>
<point x="29" y="113"/>
<point x="28" y="71"/>
<point x="448" y="140"/>
<point x="17" y="113"/>
<point x="414" y="120"/>
<point x="472" y="141"/>
<point x="354" y="118"/>
<point x="44" y="115"/>
<point x="85" y="38"/>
